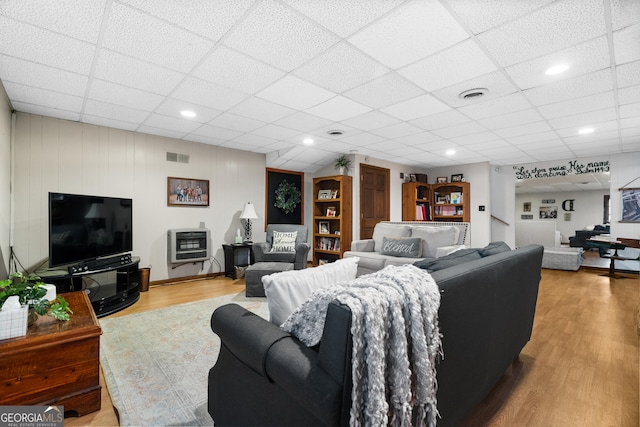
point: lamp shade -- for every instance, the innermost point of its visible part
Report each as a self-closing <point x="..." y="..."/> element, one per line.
<point x="249" y="212"/>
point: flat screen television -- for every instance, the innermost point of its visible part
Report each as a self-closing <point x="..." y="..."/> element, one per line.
<point x="83" y="227"/>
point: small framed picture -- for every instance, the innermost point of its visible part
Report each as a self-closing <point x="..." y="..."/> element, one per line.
<point x="331" y="211"/>
<point x="457" y="178"/>
<point x="441" y="180"/>
<point x="323" y="227"/>
<point x="324" y="194"/>
<point x="334" y="194"/>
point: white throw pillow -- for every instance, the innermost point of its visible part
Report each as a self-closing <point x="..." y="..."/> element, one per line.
<point x="434" y="238"/>
<point x="287" y="290"/>
<point x="284" y="241"/>
<point x="382" y="230"/>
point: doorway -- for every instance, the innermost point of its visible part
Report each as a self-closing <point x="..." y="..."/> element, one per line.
<point x="374" y="198"/>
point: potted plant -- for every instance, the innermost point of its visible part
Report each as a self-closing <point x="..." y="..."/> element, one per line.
<point x="343" y="164"/>
<point x="30" y="290"/>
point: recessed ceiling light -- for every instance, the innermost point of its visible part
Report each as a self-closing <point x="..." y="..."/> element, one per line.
<point x="586" y="131"/>
<point x="450" y="152"/>
<point x="188" y="113"/>
<point x="556" y="69"/>
<point x="307" y="141"/>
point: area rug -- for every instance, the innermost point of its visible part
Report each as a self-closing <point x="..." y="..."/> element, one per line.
<point x="156" y="363"/>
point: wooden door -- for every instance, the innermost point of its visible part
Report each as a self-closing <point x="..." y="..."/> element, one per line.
<point x="374" y="198"/>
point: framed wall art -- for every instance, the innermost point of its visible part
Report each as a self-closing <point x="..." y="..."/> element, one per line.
<point x="630" y="205"/>
<point x="187" y="192"/>
<point x="284" y="197"/>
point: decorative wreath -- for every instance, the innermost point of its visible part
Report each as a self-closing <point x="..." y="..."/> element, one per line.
<point x="287" y="197"/>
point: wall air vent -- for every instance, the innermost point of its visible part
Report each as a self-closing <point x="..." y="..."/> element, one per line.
<point x="177" y="157"/>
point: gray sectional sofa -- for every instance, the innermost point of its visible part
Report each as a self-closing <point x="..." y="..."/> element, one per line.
<point x="437" y="239"/>
<point x="264" y="376"/>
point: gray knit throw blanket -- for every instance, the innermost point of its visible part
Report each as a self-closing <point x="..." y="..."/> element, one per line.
<point x="396" y="340"/>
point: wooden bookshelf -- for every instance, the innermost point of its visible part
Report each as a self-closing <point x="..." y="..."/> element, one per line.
<point x="416" y="201"/>
<point x="332" y="212"/>
<point x="451" y="201"/>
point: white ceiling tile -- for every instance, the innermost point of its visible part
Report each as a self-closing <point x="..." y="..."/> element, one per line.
<point x="161" y="132"/>
<point x="31" y="74"/>
<point x="208" y="94"/>
<point x="121" y="95"/>
<point x="481" y="15"/>
<point x="275" y="132"/>
<point x="387" y="146"/>
<point x="371" y="120"/>
<point x="216" y="132"/>
<point x="210" y="19"/>
<point x="80" y="20"/>
<point x="295" y="93"/>
<point x="440" y="120"/>
<point x="417" y="107"/>
<point x="344" y="18"/>
<point x="496" y="82"/>
<point x="203" y="139"/>
<point x="511" y="119"/>
<point x="631" y="145"/>
<point x="45" y="111"/>
<point x="584" y="119"/>
<point x="630" y="110"/>
<point x="173" y="107"/>
<point x="302" y="122"/>
<point x="624" y="13"/>
<point x="338" y="108"/>
<point x="629" y="122"/>
<point x="570" y="134"/>
<point x="171" y="123"/>
<point x="45" y="47"/>
<point x="237" y="145"/>
<point x="236" y="122"/>
<point x="475" y="138"/>
<point x="346" y="131"/>
<point x="461" y="62"/>
<point x="364" y="138"/>
<point x="460" y="130"/>
<point x="548" y="29"/>
<point x="419" y="139"/>
<point x="127" y="71"/>
<point x="153" y="40"/>
<point x="260" y="109"/>
<point x="626" y="44"/>
<point x="629" y="94"/>
<point x="234" y="70"/>
<point x="341" y="68"/>
<point x="397" y="130"/>
<point x="102" y="121"/>
<point x="254" y="140"/>
<point x="114" y="112"/>
<point x="43" y="97"/>
<point x="598" y="101"/>
<point x="335" y="146"/>
<point x="628" y="74"/>
<point x="496" y="106"/>
<point x="278" y="36"/>
<point x="535" y="138"/>
<point x="386" y="90"/>
<point x="411" y="32"/>
<point x="576" y="87"/>
<point x="529" y="128"/>
<point x="583" y="58"/>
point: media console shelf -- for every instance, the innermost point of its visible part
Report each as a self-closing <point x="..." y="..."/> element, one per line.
<point x="110" y="288"/>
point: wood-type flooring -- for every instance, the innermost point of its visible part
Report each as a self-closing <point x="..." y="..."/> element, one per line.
<point x="579" y="369"/>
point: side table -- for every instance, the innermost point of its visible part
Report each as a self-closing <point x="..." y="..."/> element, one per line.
<point x="56" y="363"/>
<point x="231" y="257"/>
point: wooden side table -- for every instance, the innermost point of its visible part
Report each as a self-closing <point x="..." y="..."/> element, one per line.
<point x="56" y="363"/>
<point x="230" y="257"/>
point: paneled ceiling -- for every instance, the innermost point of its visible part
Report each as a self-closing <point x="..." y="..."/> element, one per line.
<point x="270" y="76"/>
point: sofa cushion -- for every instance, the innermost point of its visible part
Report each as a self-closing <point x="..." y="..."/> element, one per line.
<point x="494" y="248"/>
<point x="368" y="260"/>
<point x="287" y="290"/>
<point x="435" y="237"/>
<point x="455" y="258"/>
<point x="410" y="247"/>
<point x="382" y="230"/>
<point x="284" y="241"/>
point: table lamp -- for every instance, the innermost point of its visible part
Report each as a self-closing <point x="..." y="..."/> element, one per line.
<point x="248" y="213"/>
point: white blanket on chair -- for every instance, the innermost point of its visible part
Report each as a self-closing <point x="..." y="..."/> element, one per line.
<point x="395" y="342"/>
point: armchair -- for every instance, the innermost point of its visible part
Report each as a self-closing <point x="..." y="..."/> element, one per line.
<point x="262" y="250"/>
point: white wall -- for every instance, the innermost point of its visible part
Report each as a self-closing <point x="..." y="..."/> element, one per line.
<point x="587" y="205"/>
<point x="478" y="175"/>
<point x="502" y="205"/>
<point x="63" y="156"/>
<point x="5" y="181"/>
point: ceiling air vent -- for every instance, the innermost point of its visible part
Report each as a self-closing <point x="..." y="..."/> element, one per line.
<point x="473" y="93"/>
<point x="335" y="132"/>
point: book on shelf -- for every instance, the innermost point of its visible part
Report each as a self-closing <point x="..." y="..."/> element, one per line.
<point x="328" y="244"/>
<point x="423" y="212"/>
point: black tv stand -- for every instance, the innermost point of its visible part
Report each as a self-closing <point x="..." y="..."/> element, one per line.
<point x="110" y="288"/>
